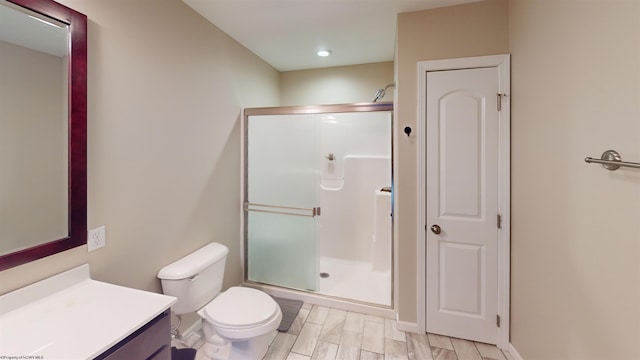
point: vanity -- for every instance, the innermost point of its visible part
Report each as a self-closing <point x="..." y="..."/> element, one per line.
<point x="71" y="316"/>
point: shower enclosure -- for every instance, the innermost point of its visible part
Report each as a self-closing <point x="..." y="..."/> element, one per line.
<point x="318" y="200"/>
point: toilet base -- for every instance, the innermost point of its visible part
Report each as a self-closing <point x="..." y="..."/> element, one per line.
<point x="253" y="349"/>
<point x="218" y="348"/>
<point x="210" y="351"/>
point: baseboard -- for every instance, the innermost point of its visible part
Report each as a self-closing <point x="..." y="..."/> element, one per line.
<point x="194" y="328"/>
<point x="191" y="337"/>
<point x="514" y="353"/>
<point x="408" y="326"/>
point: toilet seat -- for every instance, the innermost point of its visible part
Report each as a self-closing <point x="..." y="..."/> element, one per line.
<point x="241" y="311"/>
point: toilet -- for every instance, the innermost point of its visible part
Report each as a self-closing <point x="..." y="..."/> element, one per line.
<point x="240" y="318"/>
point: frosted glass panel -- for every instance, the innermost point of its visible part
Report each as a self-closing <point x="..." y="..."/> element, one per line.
<point x="282" y="250"/>
<point x="282" y="171"/>
<point x="282" y="160"/>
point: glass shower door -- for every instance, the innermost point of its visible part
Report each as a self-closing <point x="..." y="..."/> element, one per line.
<point x="281" y="202"/>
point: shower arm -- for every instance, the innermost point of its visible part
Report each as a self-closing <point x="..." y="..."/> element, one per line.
<point x="382" y="91"/>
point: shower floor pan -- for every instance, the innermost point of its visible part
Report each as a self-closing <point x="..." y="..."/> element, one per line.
<point x="354" y="280"/>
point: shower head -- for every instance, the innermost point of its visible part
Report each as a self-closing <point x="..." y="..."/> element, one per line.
<point x="381" y="92"/>
<point x="379" y="95"/>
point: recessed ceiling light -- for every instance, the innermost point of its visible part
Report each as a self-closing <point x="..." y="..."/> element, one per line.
<point x="324" y="53"/>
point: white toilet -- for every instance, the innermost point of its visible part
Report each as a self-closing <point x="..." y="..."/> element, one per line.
<point x="241" y="316"/>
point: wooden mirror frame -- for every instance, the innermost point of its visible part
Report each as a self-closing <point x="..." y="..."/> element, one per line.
<point x="77" y="120"/>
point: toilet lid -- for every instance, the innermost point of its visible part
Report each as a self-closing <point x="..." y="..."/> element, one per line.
<point x="240" y="307"/>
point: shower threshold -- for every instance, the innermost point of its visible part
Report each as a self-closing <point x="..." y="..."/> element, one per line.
<point x="311" y="297"/>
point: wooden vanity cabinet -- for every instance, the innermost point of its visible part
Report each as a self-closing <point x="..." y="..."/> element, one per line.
<point x="152" y="341"/>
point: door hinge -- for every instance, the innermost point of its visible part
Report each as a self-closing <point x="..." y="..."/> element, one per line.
<point x="499" y="106"/>
<point x="499" y="221"/>
<point x="498" y="320"/>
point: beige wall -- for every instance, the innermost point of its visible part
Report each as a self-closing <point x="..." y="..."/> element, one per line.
<point x="33" y="141"/>
<point x="336" y="85"/>
<point x="459" y="31"/>
<point x="575" y="227"/>
<point x="165" y="93"/>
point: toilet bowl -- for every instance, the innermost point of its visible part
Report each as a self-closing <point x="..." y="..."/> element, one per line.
<point x="237" y="322"/>
<point x="243" y="316"/>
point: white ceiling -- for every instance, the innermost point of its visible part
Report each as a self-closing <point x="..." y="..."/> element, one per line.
<point x="287" y="33"/>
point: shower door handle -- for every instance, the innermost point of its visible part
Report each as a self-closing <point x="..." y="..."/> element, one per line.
<point x="282" y="210"/>
<point x="436" y="229"/>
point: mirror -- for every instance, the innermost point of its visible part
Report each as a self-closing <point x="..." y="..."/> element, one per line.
<point x="43" y="114"/>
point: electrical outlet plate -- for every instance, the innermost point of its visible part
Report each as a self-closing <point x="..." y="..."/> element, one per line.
<point x="97" y="238"/>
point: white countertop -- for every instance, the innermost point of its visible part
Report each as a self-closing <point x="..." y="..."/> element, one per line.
<point x="70" y="316"/>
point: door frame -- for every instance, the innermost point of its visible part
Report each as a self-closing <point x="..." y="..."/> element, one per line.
<point x="502" y="62"/>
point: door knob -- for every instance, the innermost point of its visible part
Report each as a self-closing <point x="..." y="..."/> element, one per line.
<point x="436" y="229"/>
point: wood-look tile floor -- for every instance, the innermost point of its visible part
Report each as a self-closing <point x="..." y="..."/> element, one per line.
<point x="322" y="333"/>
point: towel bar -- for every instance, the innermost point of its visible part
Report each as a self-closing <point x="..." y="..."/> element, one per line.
<point x="282" y="210"/>
<point x="611" y="160"/>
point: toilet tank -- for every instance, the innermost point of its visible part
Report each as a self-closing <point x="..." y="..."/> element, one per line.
<point x="196" y="278"/>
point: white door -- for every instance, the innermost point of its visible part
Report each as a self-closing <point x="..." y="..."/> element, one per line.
<point x="462" y="203"/>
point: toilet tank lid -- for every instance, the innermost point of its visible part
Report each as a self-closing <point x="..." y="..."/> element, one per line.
<point x="193" y="263"/>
